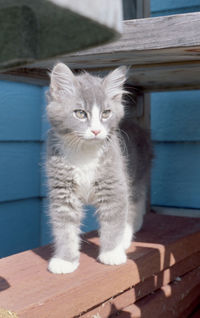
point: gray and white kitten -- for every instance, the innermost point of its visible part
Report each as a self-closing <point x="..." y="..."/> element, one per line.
<point x="94" y="157"/>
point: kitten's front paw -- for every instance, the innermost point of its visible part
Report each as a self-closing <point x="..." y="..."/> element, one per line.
<point x="116" y="256"/>
<point x="60" y="266"/>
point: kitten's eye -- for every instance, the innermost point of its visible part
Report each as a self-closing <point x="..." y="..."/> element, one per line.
<point x="80" y="114"/>
<point x="106" y="114"/>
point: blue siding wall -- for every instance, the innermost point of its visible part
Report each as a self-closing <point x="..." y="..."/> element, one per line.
<point x="175" y="118"/>
<point x="167" y="7"/>
<point x="19" y="226"/>
<point x="20" y="148"/>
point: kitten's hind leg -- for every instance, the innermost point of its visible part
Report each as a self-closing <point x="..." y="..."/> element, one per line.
<point x="134" y="221"/>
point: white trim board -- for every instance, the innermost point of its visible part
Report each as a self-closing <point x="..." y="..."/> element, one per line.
<point x="176" y="211"/>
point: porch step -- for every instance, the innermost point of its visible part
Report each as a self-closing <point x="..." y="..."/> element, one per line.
<point x="166" y="248"/>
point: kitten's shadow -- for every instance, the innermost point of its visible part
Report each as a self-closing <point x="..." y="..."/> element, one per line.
<point x="4" y="284"/>
<point x="90" y="246"/>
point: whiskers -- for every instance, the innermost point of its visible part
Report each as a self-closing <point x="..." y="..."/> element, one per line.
<point x="77" y="142"/>
<point x="74" y="141"/>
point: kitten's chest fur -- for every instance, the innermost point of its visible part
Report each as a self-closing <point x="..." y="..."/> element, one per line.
<point x="86" y="162"/>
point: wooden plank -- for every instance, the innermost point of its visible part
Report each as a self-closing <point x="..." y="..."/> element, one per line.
<point x="170" y="301"/>
<point x="148" y="286"/>
<point x="35" y="292"/>
<point x="20" y="170"/>
<point x="192" y="213"/>
<point x="19" y="226"/>
<point x="147" y="77"/>
<point x="176" y="175"/>
<point x="144" y="41"/>
<point x="175" y="116"/>
<point x="167" y="76"/>
<point x="160" y="56"/>
<point x="20" y="111"/>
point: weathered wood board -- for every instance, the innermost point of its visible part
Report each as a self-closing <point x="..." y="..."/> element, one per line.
<point x="163" y="53"/>
<point x="171" y="301"/>
<point x="148" y="286"/>
<point x="28" y="289"/>
<point x="144" y="41"/>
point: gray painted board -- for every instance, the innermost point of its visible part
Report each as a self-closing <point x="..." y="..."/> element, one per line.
<point x="163" y="53"/>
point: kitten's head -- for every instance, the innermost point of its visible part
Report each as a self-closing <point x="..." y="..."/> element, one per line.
<point x="84" y="105"/>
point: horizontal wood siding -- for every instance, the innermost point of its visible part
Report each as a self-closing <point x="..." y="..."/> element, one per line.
<point x="20" y="111"/>
<point x="19" y="226"/>
<point x="175" y="116"/>
<point x="175" y="123"/>
<point x="168" y="7"/>
<point x="20" y="163"/>
<point x="20" y="170"/>
<point x="176" y="175"/>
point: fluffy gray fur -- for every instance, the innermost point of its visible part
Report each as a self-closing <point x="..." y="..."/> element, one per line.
<point x="108" y="168"/>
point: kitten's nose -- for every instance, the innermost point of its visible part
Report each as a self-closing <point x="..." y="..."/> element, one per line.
<point x="96" y="132"/>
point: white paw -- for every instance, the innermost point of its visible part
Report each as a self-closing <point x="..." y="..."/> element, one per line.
<point x="116" y="256"/>
<point x="60" y="266"/>
<point x="128" y="235"/>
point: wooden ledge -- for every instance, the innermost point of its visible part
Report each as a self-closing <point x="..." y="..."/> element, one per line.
<point x="163" y="53"/>
<point x="166" y="247"/>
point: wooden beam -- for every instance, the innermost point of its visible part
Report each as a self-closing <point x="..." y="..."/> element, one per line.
<point x="163" y="52"/>
<point x="146" y="41"/>
<point x="177" y="299"/>
<point x="148" y="286"/>
<point x="29" y="290"/>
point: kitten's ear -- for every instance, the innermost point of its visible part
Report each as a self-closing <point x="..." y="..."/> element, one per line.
<point x="62" y="81"/>
<point x="114" y="82"/>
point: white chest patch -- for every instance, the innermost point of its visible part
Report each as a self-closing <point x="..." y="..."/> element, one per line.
<point x="86" y="164"/>
<point x="86" y="179"/>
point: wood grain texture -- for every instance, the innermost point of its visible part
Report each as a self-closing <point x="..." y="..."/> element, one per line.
<point x="35" y="292"/>
<point x="19" y="226"/>
<point x="170" y="301"/>
<point x="176" y="175"/>
<point x="148" y="286"/>
<point x="160" y="56"/>
<point x="20" y="170"/>
<point x="140" y="41"/>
